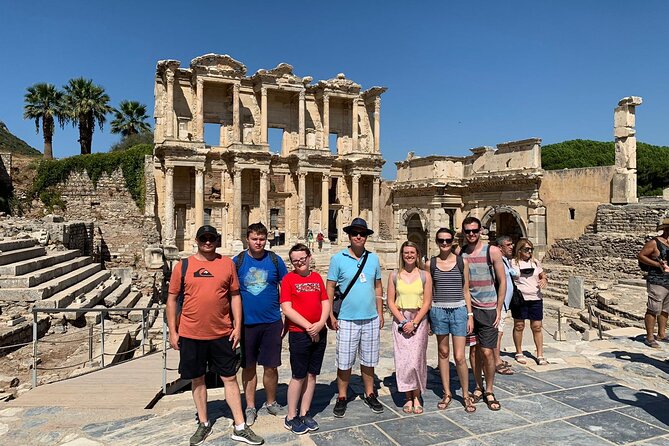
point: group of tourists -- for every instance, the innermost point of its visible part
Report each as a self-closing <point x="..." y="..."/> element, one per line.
<point x="225" y="313"/>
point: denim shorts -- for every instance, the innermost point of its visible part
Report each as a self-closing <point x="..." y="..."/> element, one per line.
<point x="445" y="321"/>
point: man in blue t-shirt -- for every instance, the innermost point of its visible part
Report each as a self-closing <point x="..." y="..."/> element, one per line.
<point x="260" y="273"/>
<point x="361" y="316"/>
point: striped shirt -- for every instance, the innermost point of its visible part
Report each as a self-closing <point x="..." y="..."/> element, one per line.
<point x="447" y="286"/>
<point x="481" y="281"/>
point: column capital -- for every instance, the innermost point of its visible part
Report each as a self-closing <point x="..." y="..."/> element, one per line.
<point x="302" y="173"/>
<point x="377" y="180"/>
<point x="169" y="170"/>
<point x="264" y="173"/>
<point x="169" y="74"/>
<point x="236" y="86"/>
<point x="263" y="91"/>
<point x="237" y="172"/>
<point x="326" y="176"/>
<point x="200" y="82"/>
<point x="356" y="176"/>
<point x="200" y="170"/>
<point x="377" y="103"/>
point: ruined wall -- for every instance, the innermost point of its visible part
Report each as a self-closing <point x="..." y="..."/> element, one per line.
<point x="122" y="232"/>
<point x="632" y="218"/>
<point x="571" y="198"/>
<point x="5" y="171"/>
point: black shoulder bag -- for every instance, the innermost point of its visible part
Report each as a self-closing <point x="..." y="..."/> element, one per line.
<point x="339" y="296"/>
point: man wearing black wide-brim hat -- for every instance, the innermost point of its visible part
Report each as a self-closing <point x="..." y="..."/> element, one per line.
<point x="356" y="274"/>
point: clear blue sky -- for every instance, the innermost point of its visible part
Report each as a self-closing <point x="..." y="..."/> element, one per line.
<point x="460" y="74"/>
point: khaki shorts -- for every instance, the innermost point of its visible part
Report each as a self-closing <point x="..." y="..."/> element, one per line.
<point x="502" y="320"/>
<point x="658" y="299"/>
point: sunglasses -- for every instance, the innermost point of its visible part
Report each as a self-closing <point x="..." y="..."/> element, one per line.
<point x="357" y="233"/>
<point x="527" y="249"/>
<point x="300" y="260"/>
<point x="444" y="241"/>
<point x="472" y="231"/>
<point x="206" y="239"/>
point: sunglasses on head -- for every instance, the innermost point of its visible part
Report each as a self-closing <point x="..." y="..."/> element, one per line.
<point x="357" y="233"/>
<point x="444" y="241"/>
<point x="207" y="238"/>
<point x="472" y="231"/>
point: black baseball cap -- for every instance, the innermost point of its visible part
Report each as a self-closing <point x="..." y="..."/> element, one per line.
<point x="206" y="229"/>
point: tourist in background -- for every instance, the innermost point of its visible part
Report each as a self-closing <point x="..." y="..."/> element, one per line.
<point x="320" y="238"/>
<point x="505" y="244"/>
<point x="654" y="254"/>
<point x="310" y="239"/>
<point x="451" y="314"/>
<point x="529" y="278"/>
<point x="305" y="304"/>
<point x="409" y="300"/>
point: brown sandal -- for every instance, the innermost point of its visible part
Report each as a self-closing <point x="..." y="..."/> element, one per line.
<point x="476" y="398"/>
<point x="492" y="402"/>
<point x="445" y="402"/>
<point x="469" y="404"/>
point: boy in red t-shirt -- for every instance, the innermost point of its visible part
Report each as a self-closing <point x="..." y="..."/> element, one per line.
<point x="305" y="304"/>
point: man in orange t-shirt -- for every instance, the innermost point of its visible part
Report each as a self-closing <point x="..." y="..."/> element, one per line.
<point x="208" y="330"/>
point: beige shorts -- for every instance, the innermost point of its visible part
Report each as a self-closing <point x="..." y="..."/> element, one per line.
<point x="502" y="320"/>
<point x="658" y="299"/>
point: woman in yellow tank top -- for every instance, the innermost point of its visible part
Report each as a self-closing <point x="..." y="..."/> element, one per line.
<point x="409" y="299"/>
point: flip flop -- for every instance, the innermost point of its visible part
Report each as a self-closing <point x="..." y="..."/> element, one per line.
<point x="503" y="370"/>
<point x="408" y="407"/>
<point x="541" y="360"/>
<point x="444" y="403"/>
<point x="520" y="358"/>
<point x="418" y="410"/>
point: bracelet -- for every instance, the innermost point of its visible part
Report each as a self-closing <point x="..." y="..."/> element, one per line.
<point x="470" y="314"/>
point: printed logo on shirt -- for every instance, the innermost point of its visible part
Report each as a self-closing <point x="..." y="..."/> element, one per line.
<point x="255" y="280"/>
<point x="202" y="272"/>
<point x="308" y="287"/>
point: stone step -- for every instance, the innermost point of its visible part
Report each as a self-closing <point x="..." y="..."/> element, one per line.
<point x="26" y="266"/>
<point x="64" y="298"/>
<point x="130" y="301"/>
<point x="93" y="297"/>
<point x="21" y="254"/>
<point x="641" y="283"/>
<point x="14" y="244"/>
<point x="609" y="321"/>
<point x="143" y="302"/>
<point x="116" y="296"/>
<point x="558" y="296"/>
<point x="34" y="278"/>
<point x="51" y="287"/>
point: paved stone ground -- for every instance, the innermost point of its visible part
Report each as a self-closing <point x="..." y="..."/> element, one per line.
<point x="593" y="393"/>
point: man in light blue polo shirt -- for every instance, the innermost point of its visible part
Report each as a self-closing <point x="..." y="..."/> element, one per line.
<point x="361" y="316"/>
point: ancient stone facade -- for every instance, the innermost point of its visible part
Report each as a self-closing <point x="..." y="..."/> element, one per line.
<point x="326" y="170"/>
<point x="499" y="186"/>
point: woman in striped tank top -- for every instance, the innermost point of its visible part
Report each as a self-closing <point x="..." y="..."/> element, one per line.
<point x="451" y="314"/>
<point x="409" y="299"/>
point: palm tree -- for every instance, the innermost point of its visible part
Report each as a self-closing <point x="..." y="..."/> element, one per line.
<point x="44" y="102"/>
<point x="86" y="104"/>
<point x="130" y="119"/>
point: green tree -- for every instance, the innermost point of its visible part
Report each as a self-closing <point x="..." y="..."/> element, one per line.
<point x="130" y="119"/>
<point x="44" y="104"/>
<point x="86" y="104"/>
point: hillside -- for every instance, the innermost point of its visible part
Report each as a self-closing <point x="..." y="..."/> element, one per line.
<point x="12" y="144"/>
<point x="652" y="161"/>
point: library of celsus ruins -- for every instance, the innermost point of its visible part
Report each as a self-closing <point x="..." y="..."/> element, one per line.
<point x="326" y="169"/>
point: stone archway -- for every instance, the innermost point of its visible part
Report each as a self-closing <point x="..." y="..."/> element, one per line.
<point x="417" y="233"/>
<point x="503" y="220"/>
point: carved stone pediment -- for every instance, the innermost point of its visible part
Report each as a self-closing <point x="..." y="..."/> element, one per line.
<point x="340" y="84"/>
<point x="169" y="64"/>
<point x="373" y="92"/>
<point x="280" y="75"/>
<point x="218" y="65"/>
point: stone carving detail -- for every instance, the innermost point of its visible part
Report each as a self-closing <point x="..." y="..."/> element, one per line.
<point x="341" y="84"/>
<point x="217" y="64"/>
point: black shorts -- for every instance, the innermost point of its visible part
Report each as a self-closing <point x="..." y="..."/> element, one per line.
<point x="195" y="355"/>
<point x="529" y="309"/>
<point x="306" y="356"/>
<point x="261" y="344"/>
<point x="486" y="333"/>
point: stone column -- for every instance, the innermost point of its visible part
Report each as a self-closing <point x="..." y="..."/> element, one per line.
<point x="625" y="178"/>
<point x="376" y="195"/>
<point x="200" y="110"/>
<point x="355" y="195"/>
<point x="264" y="180"/>
<point x="326" y="121"/>
<point x="168" y="229"/>
<point x="169" y="107"/>
<point x="300" y="111"/>
<point x="199" y="197"/>
<point x="263" y="115"/>
<point x="302" y="204"/>
<point x="237" y="205"/>
<point x="325" y="203"/>
<point x="354" y="125"/>
<point x="377" y="124"/>
<point x="235" y="114"/>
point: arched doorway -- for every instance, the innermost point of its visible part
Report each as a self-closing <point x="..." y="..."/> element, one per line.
<point x="416" y="233"/>
<point x="504" y="221"/>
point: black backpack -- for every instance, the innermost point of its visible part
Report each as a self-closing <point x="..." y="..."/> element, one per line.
<point x="239" y="260"/>
<point x="647" y="268"/>
<point x="459" y="261"/>
<point x="182" y="295"/>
